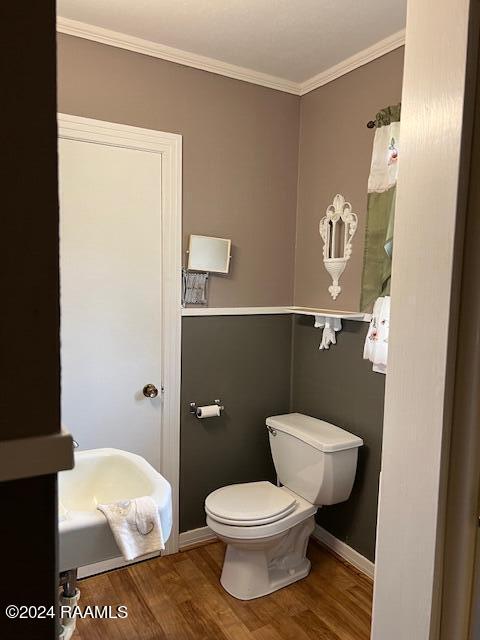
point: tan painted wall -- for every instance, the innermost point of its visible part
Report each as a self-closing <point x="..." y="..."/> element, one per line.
<point x="244" y="148"/>
<point x="240" y="144"/>
<point x="334" y="157"/>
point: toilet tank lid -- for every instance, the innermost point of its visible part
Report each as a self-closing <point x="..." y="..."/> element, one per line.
<point x="317" y="433"/>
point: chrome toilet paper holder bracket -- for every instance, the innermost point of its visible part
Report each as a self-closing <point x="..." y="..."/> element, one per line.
<point x="193" y="407"/>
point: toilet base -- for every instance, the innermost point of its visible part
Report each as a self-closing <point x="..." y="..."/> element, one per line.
<point x="255" y="568"/>
<point x="277" y="580"/>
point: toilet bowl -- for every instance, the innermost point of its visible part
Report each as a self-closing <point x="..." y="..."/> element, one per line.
<point x="264" y="555"/>
<point x="266" y="528"/>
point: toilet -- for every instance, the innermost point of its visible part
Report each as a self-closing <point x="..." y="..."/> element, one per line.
<point x="266" y="528"/>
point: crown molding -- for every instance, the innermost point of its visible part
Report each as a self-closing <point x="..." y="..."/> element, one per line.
<point x="204" y="63"/>
<point x="365" y="56"/>
<point x="156" y="50"/>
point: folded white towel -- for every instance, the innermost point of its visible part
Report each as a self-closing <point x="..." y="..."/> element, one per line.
<point x="376" y="342"/>
<point x="135" y="525"/>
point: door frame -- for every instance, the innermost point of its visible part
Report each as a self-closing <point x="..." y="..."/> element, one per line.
<point x="429" y="231"/>
<point x="169" y="147"/>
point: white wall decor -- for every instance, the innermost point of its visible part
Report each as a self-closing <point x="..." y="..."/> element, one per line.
<point x="337" y="229"/>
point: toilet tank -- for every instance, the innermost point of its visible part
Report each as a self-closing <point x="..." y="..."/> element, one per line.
<point x="314" y="459"/>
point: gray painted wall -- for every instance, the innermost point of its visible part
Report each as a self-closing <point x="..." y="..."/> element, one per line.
<point x="244" y="361"/>
<point x="339" y="386"/>
<point x="247" y="362"/>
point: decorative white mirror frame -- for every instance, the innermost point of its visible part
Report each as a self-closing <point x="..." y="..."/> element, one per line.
<point x="338" y="211"/>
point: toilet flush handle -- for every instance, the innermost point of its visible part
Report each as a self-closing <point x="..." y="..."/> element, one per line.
<point x="272" y="430"/>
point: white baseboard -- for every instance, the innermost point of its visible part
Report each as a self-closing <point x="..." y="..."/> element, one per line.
<point x="195" y="536"/>
<point x="205" y="534"/>
<point x="344" y="551"/>
<point x="114" y="563"/>
<point x="186" y="540"/>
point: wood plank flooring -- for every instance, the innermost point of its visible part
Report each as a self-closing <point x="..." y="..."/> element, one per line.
<point x="179" y="597"/>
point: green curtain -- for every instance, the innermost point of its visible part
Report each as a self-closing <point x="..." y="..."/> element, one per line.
<point x="377" y="257"/>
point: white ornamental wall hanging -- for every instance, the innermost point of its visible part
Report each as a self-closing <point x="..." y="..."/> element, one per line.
<point x="337" y="229"/>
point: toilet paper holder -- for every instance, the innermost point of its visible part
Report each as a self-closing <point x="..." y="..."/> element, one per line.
<point x="193" y="407"/>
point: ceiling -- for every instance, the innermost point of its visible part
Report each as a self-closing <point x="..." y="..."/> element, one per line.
<point x="289" y="39"/>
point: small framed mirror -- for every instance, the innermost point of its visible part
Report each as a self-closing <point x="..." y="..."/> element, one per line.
<point x="209" y="254"/>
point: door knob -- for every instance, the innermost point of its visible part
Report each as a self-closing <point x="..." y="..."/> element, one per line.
<point x="150" y="391"/>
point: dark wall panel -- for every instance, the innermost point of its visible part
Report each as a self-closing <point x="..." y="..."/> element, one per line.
<point x="339" y="386"/>
<point x="244" y="361"/>
<point x="29" y="322"/>
<point x="29" y="327"/>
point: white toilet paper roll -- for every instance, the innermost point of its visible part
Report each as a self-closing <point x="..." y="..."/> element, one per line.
<point x="209" y="411"/>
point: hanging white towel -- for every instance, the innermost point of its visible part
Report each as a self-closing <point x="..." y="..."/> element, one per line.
<point x="135" y="525"/>
<point x="330" y="326"/>
<point x="376" y="342"/>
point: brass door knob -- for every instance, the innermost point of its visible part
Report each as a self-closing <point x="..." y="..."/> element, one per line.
<point x="150" y="391"/>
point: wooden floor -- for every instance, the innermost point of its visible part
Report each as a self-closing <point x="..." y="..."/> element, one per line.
<point x="179" y="597"/>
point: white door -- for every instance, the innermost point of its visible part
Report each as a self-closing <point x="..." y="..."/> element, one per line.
<point x="111" y="320"/>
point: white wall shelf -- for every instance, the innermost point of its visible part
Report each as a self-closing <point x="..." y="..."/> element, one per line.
<point x="256" y="311"/>
<point x="233" y="311"/>
<point x="331" y="313"/>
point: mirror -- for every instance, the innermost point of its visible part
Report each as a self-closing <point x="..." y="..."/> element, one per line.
<point x="209" y="254"/>
<point x="337" y="229"/>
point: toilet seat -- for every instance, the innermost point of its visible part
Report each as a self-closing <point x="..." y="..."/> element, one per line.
<point x="302" y="511"/>
<point x="250" y="504"/>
